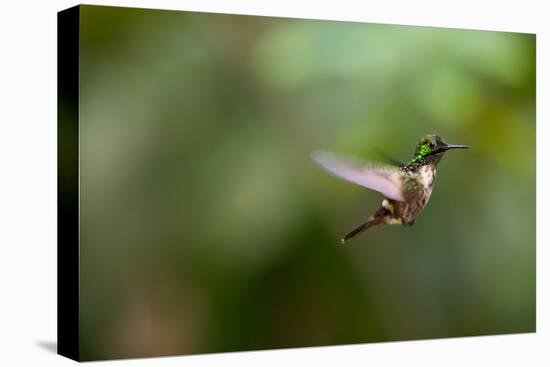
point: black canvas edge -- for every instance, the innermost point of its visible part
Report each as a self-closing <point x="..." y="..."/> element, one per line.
<point x="68" y="218"/>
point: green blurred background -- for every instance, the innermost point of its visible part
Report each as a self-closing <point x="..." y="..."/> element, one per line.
<point x="206" y="227"/>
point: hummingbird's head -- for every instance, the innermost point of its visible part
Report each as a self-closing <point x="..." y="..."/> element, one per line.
<point x="431" y="148"/>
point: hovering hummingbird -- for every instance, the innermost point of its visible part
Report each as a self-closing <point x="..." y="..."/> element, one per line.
<point x="406" y="189"/>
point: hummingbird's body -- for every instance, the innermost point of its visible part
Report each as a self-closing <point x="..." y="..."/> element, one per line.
<point x="407" y="190"/>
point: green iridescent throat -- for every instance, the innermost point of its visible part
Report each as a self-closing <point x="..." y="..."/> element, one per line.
<point x="423" y="150"/>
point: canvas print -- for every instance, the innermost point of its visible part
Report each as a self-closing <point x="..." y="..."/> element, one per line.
<point x="235" y="183"/>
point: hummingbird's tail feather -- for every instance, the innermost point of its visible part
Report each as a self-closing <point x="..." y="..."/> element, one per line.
<point x="383" y="215"/>
<point x="363" y="227"/>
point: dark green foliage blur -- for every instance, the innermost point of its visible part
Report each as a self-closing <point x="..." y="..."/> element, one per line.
<point x="206" y="227"/>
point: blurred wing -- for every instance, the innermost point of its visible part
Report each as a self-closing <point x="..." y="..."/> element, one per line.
<point x="386" y="180"/>
<point x="390" y="159"/>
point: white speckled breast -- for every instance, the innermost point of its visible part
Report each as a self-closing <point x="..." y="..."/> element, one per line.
<point x="411" y="209"/>
<point x="427" y="175"/>
<point x="405" y="212"/>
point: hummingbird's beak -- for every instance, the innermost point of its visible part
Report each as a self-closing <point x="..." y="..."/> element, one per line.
<point x="452" y="146"/>
<point x="446" y="147"/>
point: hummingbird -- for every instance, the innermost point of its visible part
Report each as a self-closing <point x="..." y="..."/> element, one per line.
<point x="406" y="188"/>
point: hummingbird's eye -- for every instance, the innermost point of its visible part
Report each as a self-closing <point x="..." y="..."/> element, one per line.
<point x="432" y="144"/>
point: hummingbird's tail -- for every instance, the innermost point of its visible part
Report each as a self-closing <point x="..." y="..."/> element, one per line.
<point x="382" y="215"/>
<point x="363" y="227"/>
